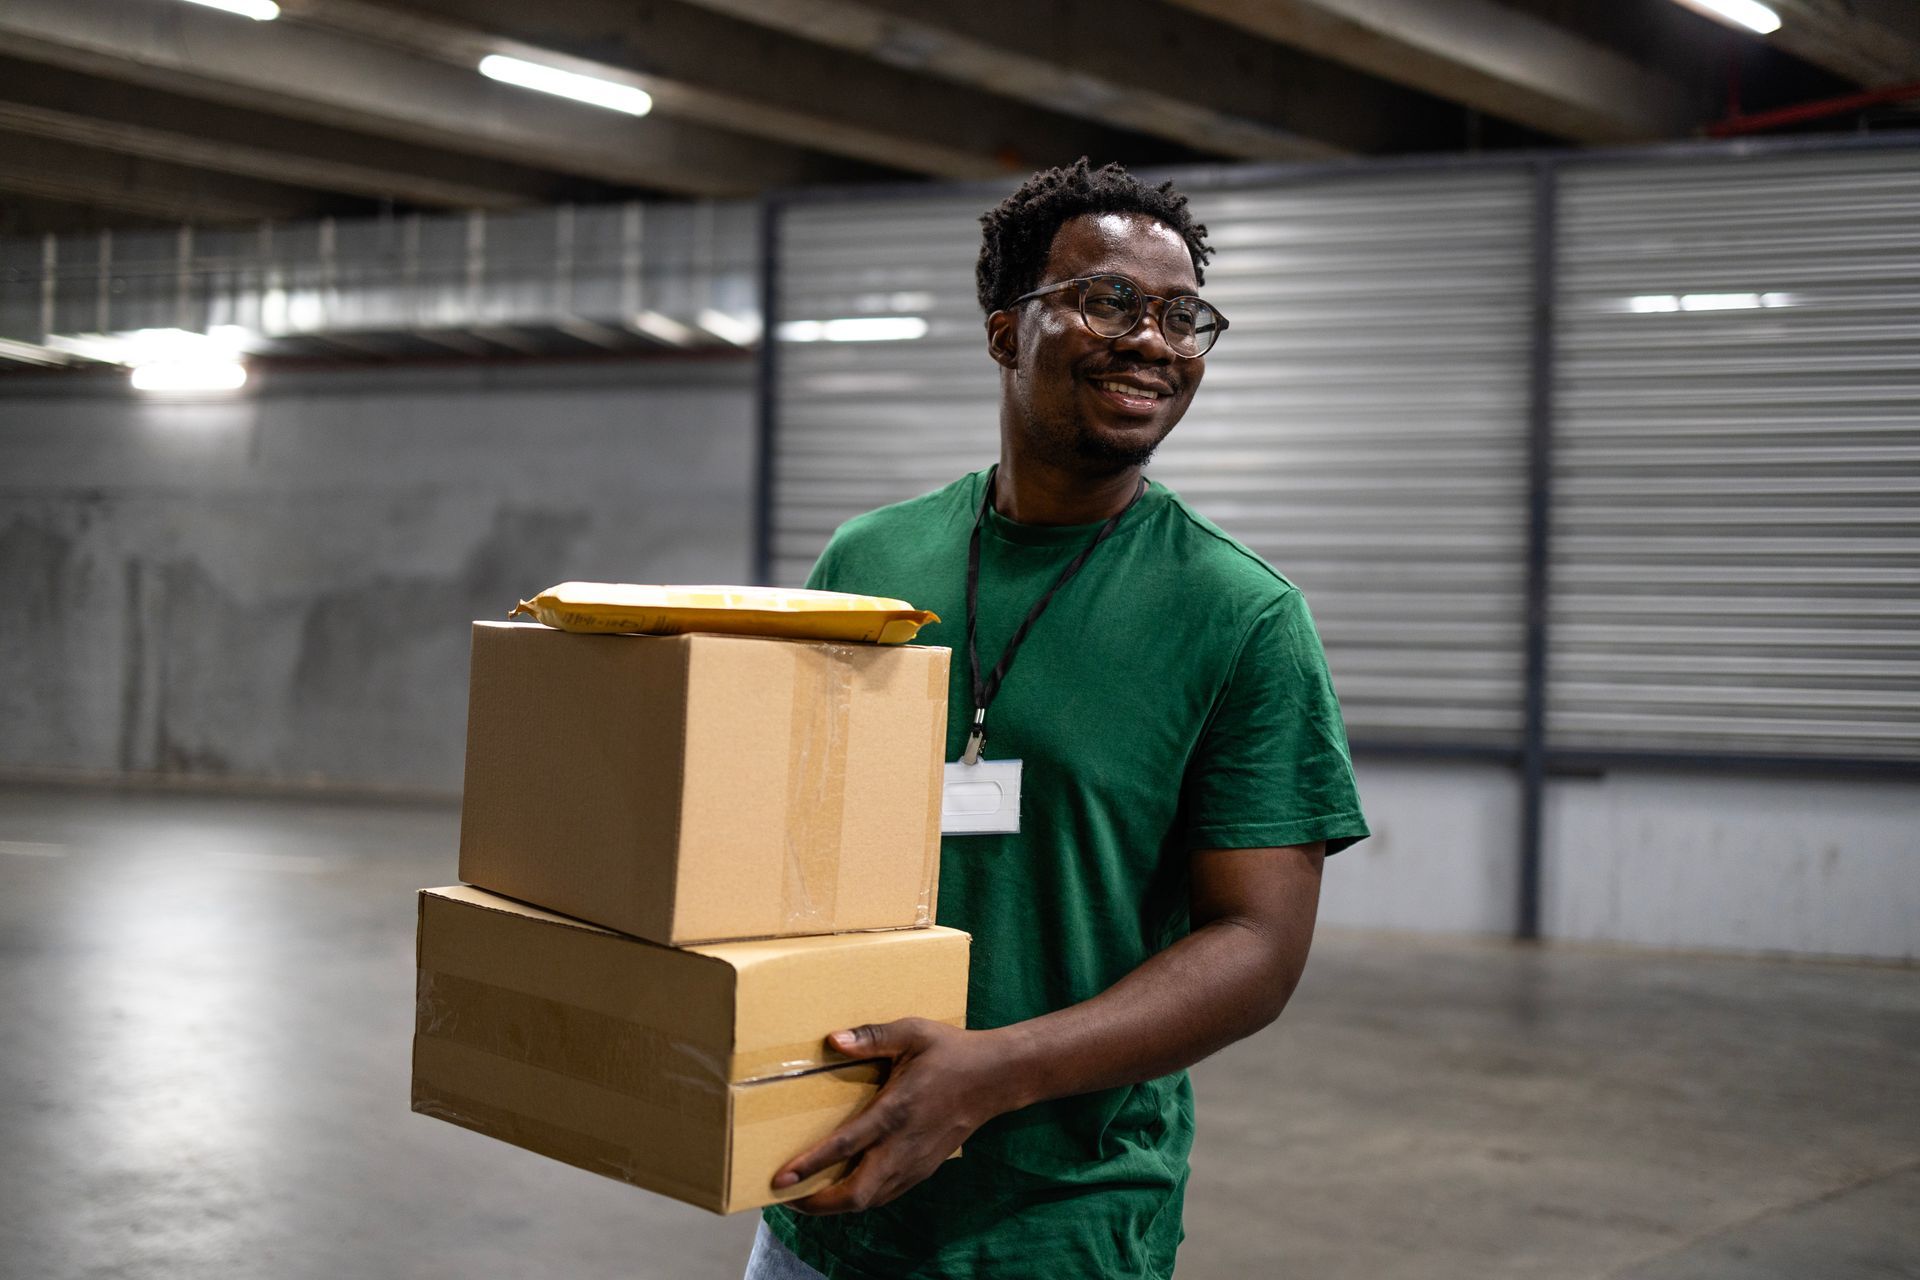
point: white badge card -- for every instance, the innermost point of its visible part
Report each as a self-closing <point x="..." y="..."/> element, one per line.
<point x="981" y="799"/>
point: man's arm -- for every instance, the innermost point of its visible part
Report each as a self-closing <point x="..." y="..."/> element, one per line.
<point x="1252" y="912"/>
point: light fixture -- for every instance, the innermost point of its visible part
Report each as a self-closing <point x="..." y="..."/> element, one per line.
<point x="1663" y="303"/>
<point x="1719" y="302"/>
<point x="741" y="331"/>
<point x="855" y="329"/>
<point x="167" y="359"/>
<point x="142" y="346"/>
<point x="190" y="375"/>
<point x="258" y="10"/>
<point x="567" y="84"/>
<point x="1750" y="14"/>
<point x="665" y="329"/>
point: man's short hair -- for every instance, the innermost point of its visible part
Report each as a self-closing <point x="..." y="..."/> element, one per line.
<point x="1020" y="230"/>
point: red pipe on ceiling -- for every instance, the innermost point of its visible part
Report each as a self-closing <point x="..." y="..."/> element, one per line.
<point x="1763" y="120"/>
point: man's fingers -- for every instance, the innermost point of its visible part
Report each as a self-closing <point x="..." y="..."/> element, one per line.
<point x="860" y="1189"/>
<point x="844" y="1143"/>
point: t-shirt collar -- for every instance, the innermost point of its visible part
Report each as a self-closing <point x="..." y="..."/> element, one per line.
<point x="1055" y="535"/>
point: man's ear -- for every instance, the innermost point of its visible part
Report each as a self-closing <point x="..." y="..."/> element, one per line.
<point x="1002" y="340"/>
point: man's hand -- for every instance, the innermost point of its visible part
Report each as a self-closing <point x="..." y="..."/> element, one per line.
<point x="943" y="1084"/>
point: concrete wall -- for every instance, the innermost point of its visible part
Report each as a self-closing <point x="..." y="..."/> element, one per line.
<point x="1697" y="861"/>
<point x="1813" y="866"/>
<point x="1441" y="855"/>
<point x="277" y="587"/>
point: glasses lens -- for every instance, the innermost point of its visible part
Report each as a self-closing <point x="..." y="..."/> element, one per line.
<point x="1189" y="325"/>
<point x="1111" y="305"/>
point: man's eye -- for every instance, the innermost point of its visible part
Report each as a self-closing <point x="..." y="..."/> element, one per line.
<point x="1181" y="320"/>
<point x="1107" y="305"/>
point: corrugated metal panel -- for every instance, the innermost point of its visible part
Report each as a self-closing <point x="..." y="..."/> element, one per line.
<point x="862" y="424"/>
<point x="1737" y="479"/>
<point x="1363" y="426"/>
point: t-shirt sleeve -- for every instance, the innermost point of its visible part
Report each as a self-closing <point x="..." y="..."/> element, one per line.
<point x="1273" y="768"/>
<point x="822" y="576"/>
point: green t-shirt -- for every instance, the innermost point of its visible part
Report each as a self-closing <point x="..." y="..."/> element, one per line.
<point x="1173" y="697"/>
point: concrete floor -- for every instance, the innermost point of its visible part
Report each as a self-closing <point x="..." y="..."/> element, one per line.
<point x="205" y="1006"/>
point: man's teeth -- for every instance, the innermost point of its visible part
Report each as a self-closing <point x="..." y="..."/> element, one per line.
<point x="1123" y="389"/>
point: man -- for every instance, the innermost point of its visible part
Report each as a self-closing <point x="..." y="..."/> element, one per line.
<point x="1184" y="771"/>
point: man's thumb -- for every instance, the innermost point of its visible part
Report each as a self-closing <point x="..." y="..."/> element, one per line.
<point x="874" y="1040"/>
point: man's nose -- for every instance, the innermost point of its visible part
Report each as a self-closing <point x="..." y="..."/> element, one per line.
<point x="1146" y="340"/>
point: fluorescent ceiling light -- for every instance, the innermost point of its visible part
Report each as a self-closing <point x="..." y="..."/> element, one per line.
<point x="144" y="346"/>
<point x="190" y="375"/>
<point x="1750" y="14"/>
<point x="855" y="329"/>
<point x="741" y="331"/>
<point x="567" y="84"/>
<point x="167" y="359"/>
<point x="1659" y="303"/>
<point x="258" y="10"/>
<point x="666" y="329"/>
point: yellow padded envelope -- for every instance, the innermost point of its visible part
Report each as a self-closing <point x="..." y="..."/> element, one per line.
<point x="789" y="613"/>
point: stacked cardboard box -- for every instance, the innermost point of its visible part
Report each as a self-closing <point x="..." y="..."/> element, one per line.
<point x="688" y="860"/>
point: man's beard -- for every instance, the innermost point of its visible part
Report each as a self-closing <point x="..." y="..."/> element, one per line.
<point x="1070" y="447"/>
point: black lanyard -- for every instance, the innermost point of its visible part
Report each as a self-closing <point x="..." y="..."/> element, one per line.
<point x="985" y="690"/>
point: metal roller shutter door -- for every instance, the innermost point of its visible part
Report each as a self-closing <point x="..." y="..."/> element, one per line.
<point x="1736" y="550"/>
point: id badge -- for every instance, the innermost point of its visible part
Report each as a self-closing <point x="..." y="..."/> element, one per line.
<point x="981" y="799"/>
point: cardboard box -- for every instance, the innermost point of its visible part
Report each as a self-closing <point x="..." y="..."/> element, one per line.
<point x="700" y="788"/>
<point x="692" y="1072"/>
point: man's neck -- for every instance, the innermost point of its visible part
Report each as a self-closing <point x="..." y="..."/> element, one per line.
<point x="1031" y="492"/>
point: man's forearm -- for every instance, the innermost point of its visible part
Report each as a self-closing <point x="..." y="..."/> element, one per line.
<point x="1254" y="911"/>
<point x="1224" y="981"/>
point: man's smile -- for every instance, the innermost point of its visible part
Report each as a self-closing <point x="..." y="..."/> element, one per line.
<point x="1133" y="392"/>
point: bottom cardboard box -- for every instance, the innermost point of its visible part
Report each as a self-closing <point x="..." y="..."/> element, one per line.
<point x="721" y="1156"/>
<point x="696" y="1072"/>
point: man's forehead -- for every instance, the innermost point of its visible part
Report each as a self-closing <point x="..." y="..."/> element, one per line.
<point x="1133" y="244"/>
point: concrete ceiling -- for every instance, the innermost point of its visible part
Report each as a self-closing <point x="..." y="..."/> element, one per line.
<point x="126" y="112"/>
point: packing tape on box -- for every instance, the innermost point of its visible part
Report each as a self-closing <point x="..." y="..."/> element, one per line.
<point x="936" y="787"/>
<point x="816" y="784"/>
<point x="612" y="1053"/>
<point x="622" y="1056"/>
<point x="802" y="1057"/>
<point x="823" y="689"/>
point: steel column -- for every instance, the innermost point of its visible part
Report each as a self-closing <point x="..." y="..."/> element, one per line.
<point x="1533" y="743"/>
<point x="768" y="392"/>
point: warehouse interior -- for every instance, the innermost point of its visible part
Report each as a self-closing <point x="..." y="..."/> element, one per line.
<point x="1572" y="377"/>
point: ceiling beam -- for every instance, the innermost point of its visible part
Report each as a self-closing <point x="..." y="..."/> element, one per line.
<point x="1129" y="63"/>
<point x="735" y="75"/>
<point x="352" y="83"/>
<point x="148" y="188"/>
<point x="31" y="215"/>
<point x="243" y="160"/>
<point x="1875" y="43"/>
<point x="1478" y="53"/>
<point x="51" y="103"/>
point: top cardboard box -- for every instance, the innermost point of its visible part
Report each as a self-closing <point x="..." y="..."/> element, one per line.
<point x="700" y="788"/>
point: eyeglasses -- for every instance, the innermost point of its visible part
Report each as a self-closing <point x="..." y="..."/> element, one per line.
<point x="1112" y="305"/>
